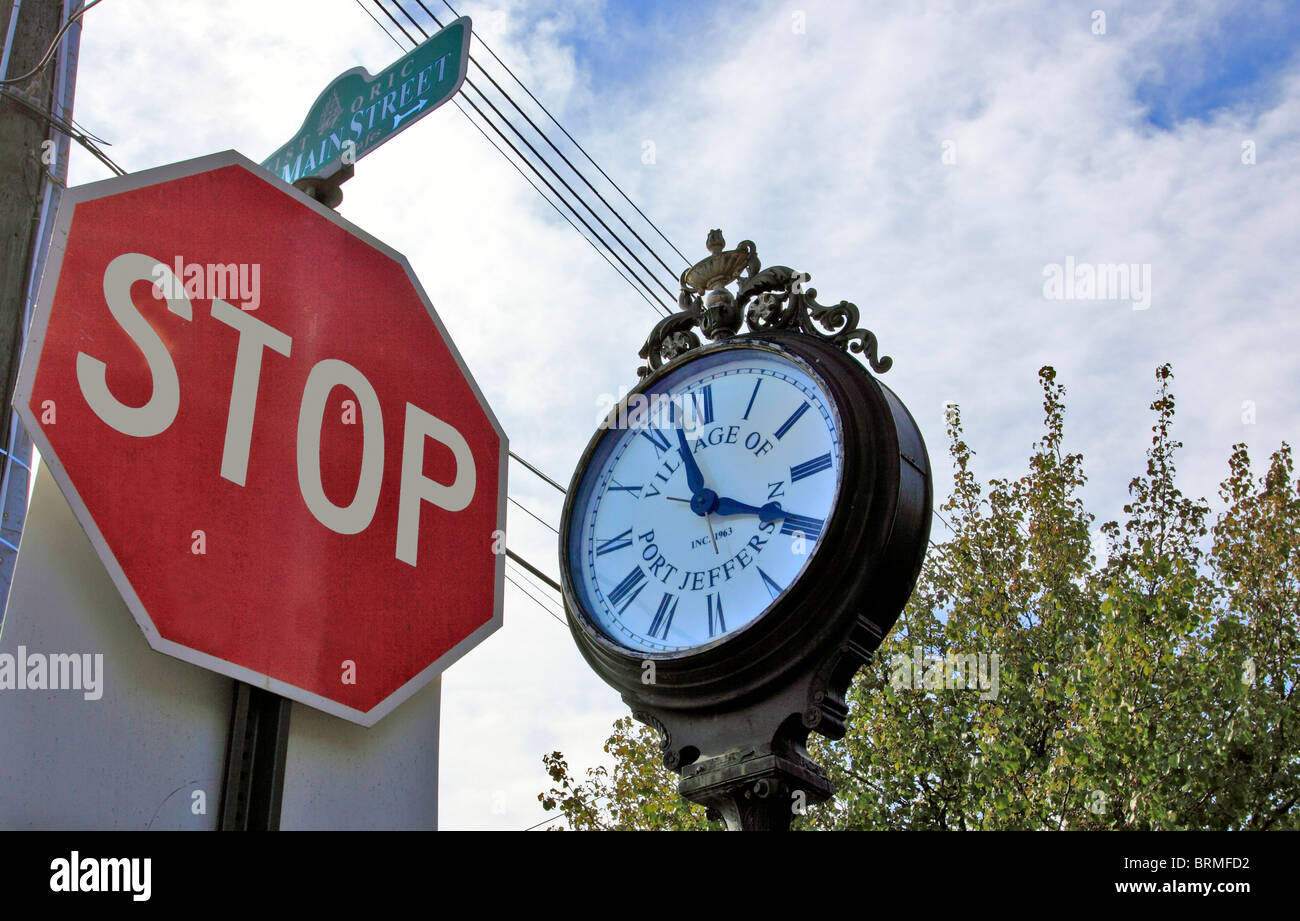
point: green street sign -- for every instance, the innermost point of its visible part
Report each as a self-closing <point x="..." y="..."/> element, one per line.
<point x="357" y="112"/>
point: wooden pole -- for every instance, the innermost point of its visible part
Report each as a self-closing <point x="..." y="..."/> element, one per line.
<point x="33" y="168"/>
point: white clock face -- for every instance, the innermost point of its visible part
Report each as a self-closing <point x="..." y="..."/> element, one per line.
<point x="696" y="514"/>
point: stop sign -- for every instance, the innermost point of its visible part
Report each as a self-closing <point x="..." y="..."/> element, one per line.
<point x="267" y="434"/>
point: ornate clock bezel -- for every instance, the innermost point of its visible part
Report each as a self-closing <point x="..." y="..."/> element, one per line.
<point x="749" y="659"/>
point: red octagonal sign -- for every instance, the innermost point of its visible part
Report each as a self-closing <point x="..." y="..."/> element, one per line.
<point x="266" y="432"/>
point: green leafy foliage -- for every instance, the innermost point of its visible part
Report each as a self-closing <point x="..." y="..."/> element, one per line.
<point x="639" y="793"/>
<point x="1153" y="689"/>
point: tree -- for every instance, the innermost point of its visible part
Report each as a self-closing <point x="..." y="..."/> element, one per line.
<point x="1030" y="685"/>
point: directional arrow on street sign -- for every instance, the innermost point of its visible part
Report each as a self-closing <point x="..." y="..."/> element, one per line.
<point x="357" y="112"/>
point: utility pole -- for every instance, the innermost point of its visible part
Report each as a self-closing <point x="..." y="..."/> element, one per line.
<point x="33" y="172"/>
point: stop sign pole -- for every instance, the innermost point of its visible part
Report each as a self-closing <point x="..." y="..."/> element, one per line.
<point x="253" y="786"/>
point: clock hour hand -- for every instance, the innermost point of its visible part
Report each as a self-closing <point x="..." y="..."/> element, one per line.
<point x="769" y="512"/>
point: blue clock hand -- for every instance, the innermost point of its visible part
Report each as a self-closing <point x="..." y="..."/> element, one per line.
<point x="769" y="512"/>
<point x="694" y="479"/>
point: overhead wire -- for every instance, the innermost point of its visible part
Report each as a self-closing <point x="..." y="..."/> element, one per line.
<point x="533" y="599"/>
<point x="538" y="473"/>
<point x="572" y="139"/>
<point x="653" y="305"/>
<point x="544" y="137"/>
<point x="65" y="127"/>
<point x="389" y="15"/>
<point x="548" y="140"/>
<point x="365" y="9"/>
<point x="525" y="572"/>
<point x="543" y="822"/>
<point x="506" y="157"/>
<point x="532" y="583"/>
<point x="519" y="562"/>
<point x="663" y="307"/>
<point x="534" y="570"/>
<point x="534" y="514"/>
<point x="54" y="45"/>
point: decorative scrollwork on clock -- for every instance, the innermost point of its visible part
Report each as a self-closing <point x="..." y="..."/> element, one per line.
<point x="768" y="299"/>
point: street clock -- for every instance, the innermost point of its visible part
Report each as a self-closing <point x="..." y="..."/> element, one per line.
<point x="743" y="531"/>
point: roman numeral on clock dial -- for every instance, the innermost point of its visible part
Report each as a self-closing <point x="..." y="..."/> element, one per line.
<point x="758" y="383"/>
<point x="703" y="400"/>
<point x="658" y="439"/>
<point x="717" y="625"/>
<point x="663" y="619"/>
<point x="809" y="467"/>
<point x="614" y="543"/>
<point x="627" y="590"/>
<point x="810" y="528"/>
<point x="789" y="423"/>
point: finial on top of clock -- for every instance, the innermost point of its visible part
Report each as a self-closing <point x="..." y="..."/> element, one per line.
<point x="766" y="299"/>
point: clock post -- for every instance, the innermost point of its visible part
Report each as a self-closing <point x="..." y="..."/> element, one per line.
<point x="737" y="645"/>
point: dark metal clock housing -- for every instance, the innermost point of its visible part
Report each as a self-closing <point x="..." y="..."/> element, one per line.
<point x="786" y="673"/>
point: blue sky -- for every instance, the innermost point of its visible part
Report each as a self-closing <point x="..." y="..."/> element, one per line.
<point x="1233" y="59"/>
<point x="927" y="161"/>
<point x="629" y="42"/>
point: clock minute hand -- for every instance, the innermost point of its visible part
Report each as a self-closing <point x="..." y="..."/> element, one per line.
<point x="769" y="512"/>
<point x="694" y="479"/>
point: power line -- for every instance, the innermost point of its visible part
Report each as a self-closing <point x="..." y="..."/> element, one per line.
<point x="54" y="44"/>
<point x="531" y="582"/>
<point x="365" y="9"/>
<point x="637" y="286"/>
<point x="64" y="126"/>
<point x="544" y="137"/>
<point x="526" y="570"/>
<point x="534" y="600"/>
<point x="659" y="307"/>
<point x="538" y="473"/>
<point x="571" y="138"/>
<point x="534" y="570"/>
<point x="545" y="162"/>
<point x="548" y="140"/>
<point x="543" y="195"/>
<point x="506" y="157"/>
<point x="530" y="512"/>
<point x="531" y="585"/>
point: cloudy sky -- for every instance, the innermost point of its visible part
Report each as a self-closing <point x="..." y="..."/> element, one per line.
<point x="928" y="161"/>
